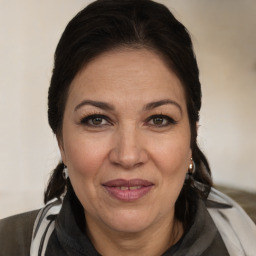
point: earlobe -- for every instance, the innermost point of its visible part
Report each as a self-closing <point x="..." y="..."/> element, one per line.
<point x="197" y="126"/>
<point x="61" y="148"/>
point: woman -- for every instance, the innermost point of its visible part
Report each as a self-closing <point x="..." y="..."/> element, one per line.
<point x="124" y="104"/>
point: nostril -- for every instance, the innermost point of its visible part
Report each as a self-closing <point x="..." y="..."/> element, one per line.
<point x="138" y="164"/>
<point x="127" y="164"/>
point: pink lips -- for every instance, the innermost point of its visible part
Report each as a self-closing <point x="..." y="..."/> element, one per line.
<point x="128" y="190"/>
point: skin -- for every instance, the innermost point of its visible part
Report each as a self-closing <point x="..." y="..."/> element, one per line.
<point x="128" y="144"/>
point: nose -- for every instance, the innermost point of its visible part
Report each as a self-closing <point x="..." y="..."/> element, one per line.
<point x="128" y="150"/>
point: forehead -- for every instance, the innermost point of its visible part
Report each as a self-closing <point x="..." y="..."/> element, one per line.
<point x="127" y="74"/>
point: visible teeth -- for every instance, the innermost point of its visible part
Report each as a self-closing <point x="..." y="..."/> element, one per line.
<point x="129" y="188"/>
<point x="135" y="187"/>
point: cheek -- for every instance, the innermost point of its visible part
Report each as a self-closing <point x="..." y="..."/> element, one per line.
<point x="83" y="155"/>
<point x="172" y="155"/>
<point x="172" y="159"/>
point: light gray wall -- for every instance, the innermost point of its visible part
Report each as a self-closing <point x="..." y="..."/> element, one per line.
<point x="224" y="35"/>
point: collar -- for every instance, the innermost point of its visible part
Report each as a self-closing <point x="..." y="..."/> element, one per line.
<point x="202" y="238"/>
<point x="70" y="232"/>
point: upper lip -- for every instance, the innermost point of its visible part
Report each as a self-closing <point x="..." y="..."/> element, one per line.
<point x="127" y="183"/>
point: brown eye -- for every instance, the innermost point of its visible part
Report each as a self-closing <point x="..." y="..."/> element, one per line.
<point x="96" y="121"/>
<point x="158" y="120"/>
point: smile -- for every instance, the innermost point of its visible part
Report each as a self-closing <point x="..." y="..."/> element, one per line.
<point x="128" y="190"/>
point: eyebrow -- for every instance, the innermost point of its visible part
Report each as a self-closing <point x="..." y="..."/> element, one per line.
<point x="110" y="107"/>
<point x="159" y="103"/>
<point x="98" y="104"/>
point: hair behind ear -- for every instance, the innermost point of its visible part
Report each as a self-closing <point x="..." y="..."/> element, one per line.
<point x="57" y="184"/>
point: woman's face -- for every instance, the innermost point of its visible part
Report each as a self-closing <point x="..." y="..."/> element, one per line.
<point x="126" y="140"/>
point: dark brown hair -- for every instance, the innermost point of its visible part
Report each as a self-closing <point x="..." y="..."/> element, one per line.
<point x="107" y="24"/>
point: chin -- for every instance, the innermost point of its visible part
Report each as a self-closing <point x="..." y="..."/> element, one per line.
<point x="130" y="221"/>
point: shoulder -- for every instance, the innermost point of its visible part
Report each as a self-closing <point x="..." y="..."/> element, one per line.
<point x="236" y="228"/>
<point x="16" y="233"/>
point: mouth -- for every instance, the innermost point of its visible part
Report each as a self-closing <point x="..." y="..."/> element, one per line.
<point x="128" y="190"/>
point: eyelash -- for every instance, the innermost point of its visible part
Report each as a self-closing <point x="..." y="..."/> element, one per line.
<point x="85" y="120"/>
<point x="168" y="119"/>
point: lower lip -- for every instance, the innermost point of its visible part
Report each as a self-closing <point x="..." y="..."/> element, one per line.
<point x="128" y="195"/>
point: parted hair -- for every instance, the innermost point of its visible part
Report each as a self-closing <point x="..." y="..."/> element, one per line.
<point x="105" y="25"/>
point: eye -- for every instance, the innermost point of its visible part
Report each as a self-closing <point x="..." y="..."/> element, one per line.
<point x="95" y="120"/>
<point x="160" y="121"/>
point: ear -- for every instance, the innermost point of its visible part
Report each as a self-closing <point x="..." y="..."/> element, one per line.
<point x="190" y="153"/>
<point x="197" y="126"/>
<point x="61" y="148"/>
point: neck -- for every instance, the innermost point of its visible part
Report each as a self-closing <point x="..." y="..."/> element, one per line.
<point x="111" y="242"/>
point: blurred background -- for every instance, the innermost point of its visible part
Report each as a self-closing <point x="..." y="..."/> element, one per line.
<point x="224" y="38"/>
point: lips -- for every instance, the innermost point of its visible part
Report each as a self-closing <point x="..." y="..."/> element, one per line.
<point x="128" y="190"/>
